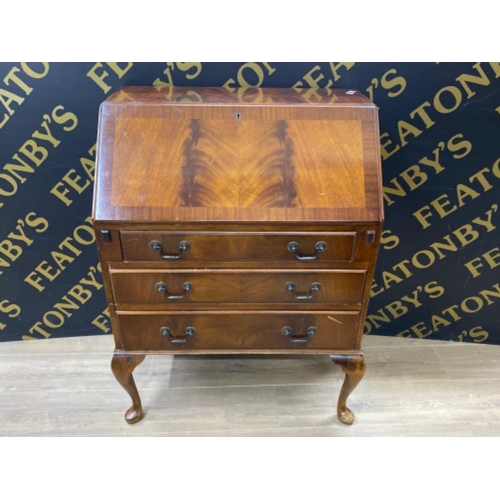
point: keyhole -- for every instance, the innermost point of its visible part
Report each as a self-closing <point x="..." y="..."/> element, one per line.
<point x="238" y="116"/>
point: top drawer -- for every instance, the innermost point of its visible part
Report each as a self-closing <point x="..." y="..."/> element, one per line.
<point x="190" y="246"/>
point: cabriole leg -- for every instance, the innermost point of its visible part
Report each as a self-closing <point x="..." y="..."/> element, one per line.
<point x="354" y="368"/>
<point x="122" y="366"/>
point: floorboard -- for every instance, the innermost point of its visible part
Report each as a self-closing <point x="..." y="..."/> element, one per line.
<point x="64" y="387"/>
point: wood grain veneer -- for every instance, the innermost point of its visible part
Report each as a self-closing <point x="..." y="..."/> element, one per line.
<point x="237" y="222"/>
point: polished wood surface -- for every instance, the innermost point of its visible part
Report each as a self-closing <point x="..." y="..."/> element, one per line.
<point x="354" y="368"/>
<point x="228" y="226"/>
<point x="245" y="164"/>
<point x="237" y="246"/>
<point x="122" y="366"/>
<point x="249" y="331"/>
<point x="218" y="96"/>
<point x="224" y="161"/>
<point x="235" y="286"/>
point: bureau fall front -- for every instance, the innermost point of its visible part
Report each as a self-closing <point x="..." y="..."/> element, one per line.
<point x="229" y="227"/>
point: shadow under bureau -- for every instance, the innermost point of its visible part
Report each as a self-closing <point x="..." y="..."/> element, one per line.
<point x="237" y="222"/>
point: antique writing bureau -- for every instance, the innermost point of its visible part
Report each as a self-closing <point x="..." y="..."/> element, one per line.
<point x="237" y="221"/>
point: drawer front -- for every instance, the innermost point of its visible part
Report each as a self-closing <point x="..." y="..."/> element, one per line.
<point x="163" y="288"/>
<point x="279" y="331"/>
<point x="292" y="247"/>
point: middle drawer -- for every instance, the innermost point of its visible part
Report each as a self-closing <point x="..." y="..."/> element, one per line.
<point x="160" y="287"/>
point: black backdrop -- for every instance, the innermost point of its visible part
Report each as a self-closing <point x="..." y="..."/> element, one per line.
<point x="438" y="274"/>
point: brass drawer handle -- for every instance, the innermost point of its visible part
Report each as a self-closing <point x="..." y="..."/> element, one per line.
<point x="286" y="330"/>
<point x="156" y="245"/>
<point x="186" y="288"/>
<point x="189" y="332"/>
<point x="293" y="247"/>
<point x="315" y="287"/>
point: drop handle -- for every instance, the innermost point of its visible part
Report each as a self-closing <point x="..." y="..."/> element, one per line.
<point x="166" y="332"/>
<point x="315" y="287"/>
<point x="156" y="245"/>
<point x="294" y="247"/>
<point x="186" y="288"/>
<point x="287" y="330"/>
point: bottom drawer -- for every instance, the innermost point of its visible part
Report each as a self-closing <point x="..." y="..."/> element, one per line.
<point x="235" y="331"/>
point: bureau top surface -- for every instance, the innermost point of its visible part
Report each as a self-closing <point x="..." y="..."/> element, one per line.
<point x="190" y="154"/>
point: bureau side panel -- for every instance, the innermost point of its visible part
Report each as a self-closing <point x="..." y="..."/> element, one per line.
<point x="370" y="252"/>
<point x="109" y="250"/>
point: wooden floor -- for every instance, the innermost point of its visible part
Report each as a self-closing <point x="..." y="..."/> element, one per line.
<point x="64" y="387"/>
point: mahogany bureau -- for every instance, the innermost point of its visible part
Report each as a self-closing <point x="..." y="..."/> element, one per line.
<point x="237" y="221"/>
